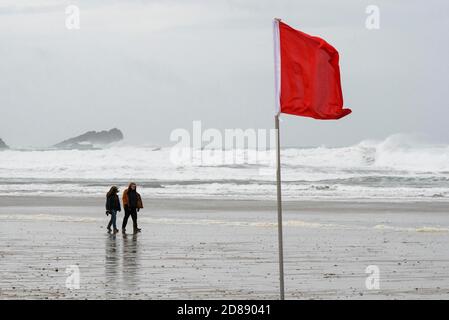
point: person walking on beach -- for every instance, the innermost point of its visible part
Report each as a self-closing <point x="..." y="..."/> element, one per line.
<point x="112" y="207"/>
<point x="132" y="202"/>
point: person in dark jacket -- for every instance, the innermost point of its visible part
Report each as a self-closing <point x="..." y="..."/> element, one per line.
<point x="112" y="207"/>
<point x="132" y="202"/>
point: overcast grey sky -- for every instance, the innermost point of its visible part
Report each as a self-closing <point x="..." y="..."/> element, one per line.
<point x="148" y="67"/>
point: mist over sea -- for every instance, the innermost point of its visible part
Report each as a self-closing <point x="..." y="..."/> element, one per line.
<point x="398" y="168"/>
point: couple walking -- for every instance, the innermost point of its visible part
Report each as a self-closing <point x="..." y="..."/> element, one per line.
<point x="132" y="203"/>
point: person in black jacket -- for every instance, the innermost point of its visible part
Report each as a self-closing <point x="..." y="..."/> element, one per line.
<point x="112" y="207"/>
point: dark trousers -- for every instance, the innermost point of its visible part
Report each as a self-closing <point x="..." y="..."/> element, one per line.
<point x="130" y="212"/>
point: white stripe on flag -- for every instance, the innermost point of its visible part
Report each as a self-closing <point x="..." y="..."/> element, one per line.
<point x="277" y="66"/>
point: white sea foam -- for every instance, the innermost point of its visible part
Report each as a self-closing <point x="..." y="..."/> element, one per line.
<point x="412" y="229"/>
<point x="204" y="222"/>
<point x="398" y="168"/>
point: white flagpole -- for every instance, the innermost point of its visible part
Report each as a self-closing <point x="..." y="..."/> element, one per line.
<point x="277" y="81"/>
<point x="279" y="202"/>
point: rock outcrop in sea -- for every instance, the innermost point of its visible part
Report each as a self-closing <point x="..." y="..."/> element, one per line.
<point x="3" y="145"/>
<point x="91" y="140"/>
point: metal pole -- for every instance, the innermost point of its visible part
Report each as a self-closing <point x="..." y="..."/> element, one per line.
<point x="279" y="201"/>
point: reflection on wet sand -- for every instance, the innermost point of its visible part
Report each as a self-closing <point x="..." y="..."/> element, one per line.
<point x="130" y="261"/>
<point x="121" y="268"/>
<point x="111" y="262"/>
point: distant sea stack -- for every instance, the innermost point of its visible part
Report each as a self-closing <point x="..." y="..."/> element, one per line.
<point x="91" y="140"/>
<point x="3" y="145"/>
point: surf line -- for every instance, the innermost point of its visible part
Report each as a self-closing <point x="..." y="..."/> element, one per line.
<point x="188" y="310"/>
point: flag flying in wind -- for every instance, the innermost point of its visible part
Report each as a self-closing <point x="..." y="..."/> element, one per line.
<point x="307" y="75"/>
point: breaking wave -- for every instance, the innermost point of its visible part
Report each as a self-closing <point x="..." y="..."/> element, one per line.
<point x="400" y="168"/>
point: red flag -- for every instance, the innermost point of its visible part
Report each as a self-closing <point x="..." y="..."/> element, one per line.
<point x="307" y="75"/>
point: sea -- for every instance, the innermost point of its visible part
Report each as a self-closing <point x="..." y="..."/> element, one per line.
<point x="393" y="169"/>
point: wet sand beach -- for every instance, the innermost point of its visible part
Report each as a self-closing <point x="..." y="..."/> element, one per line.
<point x="217" y="249"/>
